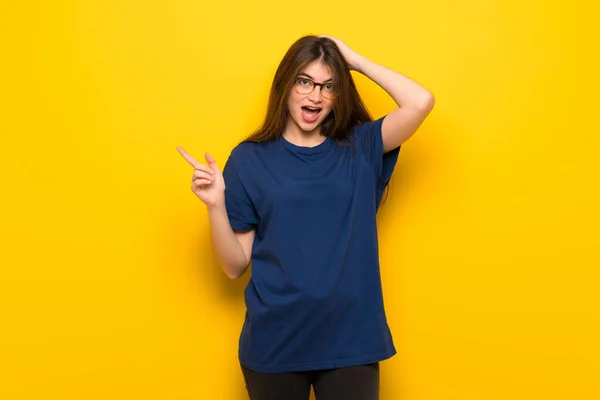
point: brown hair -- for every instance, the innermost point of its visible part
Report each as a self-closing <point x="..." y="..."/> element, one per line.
<point x="348" y="108"/>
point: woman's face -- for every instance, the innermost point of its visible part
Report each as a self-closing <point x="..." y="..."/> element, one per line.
<point x="308" y="110"/>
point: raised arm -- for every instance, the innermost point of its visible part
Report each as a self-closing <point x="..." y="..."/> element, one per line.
<point x="413" y="100"/>
<point x="232" y="248"/>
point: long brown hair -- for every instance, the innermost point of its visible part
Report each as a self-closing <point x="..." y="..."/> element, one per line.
<point x="348" y="108"/>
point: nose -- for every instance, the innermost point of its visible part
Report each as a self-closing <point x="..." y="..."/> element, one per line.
<point x="315" y="95"/>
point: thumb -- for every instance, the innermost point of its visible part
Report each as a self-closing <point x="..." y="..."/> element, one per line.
<point x="212" y="163"/>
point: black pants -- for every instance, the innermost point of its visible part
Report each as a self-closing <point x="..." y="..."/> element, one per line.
<point x="350" y="383"/>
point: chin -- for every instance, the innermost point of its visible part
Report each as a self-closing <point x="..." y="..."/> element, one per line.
<point x="308" y="126"/>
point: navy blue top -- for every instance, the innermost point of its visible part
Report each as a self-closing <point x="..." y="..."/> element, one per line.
<point x="314" y="300"/>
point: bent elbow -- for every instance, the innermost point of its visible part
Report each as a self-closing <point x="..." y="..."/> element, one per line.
<point x="426" y="105"/>
<point x="234" y="272"/>
<point x="234" y="275"/>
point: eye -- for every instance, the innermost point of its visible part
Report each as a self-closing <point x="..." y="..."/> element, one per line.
<point x="329" y="86"/>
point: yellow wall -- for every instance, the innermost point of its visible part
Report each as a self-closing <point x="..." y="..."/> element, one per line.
<point x="108" y="289"/>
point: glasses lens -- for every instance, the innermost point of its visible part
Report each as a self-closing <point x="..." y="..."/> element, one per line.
<point x="304" y="86"/>
<point x="328" y="91"/>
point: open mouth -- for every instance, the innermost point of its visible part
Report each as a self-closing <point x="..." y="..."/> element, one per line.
<point x="310" y="114"/>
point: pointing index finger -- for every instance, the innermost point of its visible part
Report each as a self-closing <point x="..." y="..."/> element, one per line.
<point x="191" y="160"/>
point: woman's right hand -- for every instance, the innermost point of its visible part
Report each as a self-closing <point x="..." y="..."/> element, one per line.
<point x="207" y="181"/>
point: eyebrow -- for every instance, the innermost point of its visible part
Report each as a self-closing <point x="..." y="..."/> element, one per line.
<point x="310" y="77"/>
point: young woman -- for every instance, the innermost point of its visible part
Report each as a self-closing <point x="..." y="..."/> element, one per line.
<point x="298" y="199"/>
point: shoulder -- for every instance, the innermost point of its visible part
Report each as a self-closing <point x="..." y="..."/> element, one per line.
<point x="368" y="127"/>
<point x="246" y="151"/>
<point x="245" y="155"/>
<point x="365" y="135"/>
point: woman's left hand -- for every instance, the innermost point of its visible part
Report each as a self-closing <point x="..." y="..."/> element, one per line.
<point x="350" y="55"/>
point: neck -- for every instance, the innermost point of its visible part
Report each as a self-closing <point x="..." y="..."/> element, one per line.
<point x="298" y="136"/>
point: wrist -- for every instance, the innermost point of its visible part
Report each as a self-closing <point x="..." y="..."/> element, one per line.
<point x="217" y="206"/>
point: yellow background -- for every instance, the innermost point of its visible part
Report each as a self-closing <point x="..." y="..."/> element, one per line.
<point x="489" y="238"/>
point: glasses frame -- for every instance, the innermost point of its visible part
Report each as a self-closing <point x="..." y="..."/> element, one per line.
<point x="315" y="84"/>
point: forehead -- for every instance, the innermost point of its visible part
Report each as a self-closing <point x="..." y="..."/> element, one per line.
<point x="318" y="71"/>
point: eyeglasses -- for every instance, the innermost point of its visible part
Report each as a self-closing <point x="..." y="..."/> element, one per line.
<point x="306" y="86"/>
